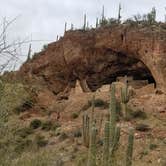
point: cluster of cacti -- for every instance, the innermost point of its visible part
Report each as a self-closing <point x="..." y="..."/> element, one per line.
<point x="87" y="124"/>
<point x="125" y="96"/>
<point x="111" y="135"/>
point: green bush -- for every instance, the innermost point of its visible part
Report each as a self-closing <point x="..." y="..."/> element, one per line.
<point x="153" y="146"/>
<point x="36" y="123"/>
<point x="97" y="103"/>
<point x="55" y="126"/>
<point x="26" y="105"/>
<point x="47" y="125"/>
<point x="63" y="136"/>
<point x="142" y="127"/>
<point x="41" y="141"/>
<point x="138" y="114"/>
<point x="24" y="132"/>
<point x="22" y="145"/>
<point x="74" y="115"/>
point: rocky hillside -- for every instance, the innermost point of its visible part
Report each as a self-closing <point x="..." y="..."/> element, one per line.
<point x="98" y="56"/>
<point x="42" y="105"/>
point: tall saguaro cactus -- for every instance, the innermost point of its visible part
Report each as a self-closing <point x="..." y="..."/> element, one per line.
<point x="112" y="132"/>
<point x="114" y="147"/>
<point x="112" y="112"/>
<point x="92" y="148"/>
<point x="86" y="127"/>
<point x="119" y="13"/>
<point x="84" y="27"/>
<point x="106" y="144"/>
<point x="129" y="152"/>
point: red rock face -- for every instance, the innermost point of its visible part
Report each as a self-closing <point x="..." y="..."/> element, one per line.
<point x="98" y="56"/>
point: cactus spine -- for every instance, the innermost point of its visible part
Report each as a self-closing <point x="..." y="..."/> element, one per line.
<point x="129" y="152"/>
<point x="92" y="148"/>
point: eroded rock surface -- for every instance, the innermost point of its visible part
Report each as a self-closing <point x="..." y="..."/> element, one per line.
<point x="98" y="56"/>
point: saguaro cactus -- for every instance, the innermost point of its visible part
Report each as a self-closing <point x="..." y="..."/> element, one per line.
<point x="112" y="112"/>
<point x="97" y="22"/>
<point x="65" y="27"/>
<point x="129" y="152"/>
<point x="125" y="99"/>
<point x="114" y="147"/>
<point x="92" y="148"/>
<point x="112" y="133"/>
<point x="106" y="144"/>
<point x="84" y="27"/>
<point x="85" y="131"/>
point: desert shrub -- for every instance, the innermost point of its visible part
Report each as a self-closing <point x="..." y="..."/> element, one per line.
<point x="55" y="126"/>
<point x="22" y="145"/>
<point x="152" y="146"/>
<point x="77" y="133"/>
<point x="26" y="105"/>
<point x="41" y="141"/>
<point x="63" y="136"/>
<point x="24" y="132"/>
<point x="86" y="106"/>
<point x="142" y="127"/>
<point x="97" y="103"/>
<point x="74" y="115"/>
<point x="36" y="123"/>
<point x="47" y="125"/>
<point x="138" y="114"/>
<point x="13" y="96"/>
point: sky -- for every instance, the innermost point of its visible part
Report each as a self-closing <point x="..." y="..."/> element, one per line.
<point x="44" y="19"/>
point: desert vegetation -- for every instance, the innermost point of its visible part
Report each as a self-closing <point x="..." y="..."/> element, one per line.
<point x="113" y="123"/>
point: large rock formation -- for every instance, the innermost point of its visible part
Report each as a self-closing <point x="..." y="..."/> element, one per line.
<point x="96" y="57"/>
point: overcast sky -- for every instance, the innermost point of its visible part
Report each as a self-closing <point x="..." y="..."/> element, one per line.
<point x="44" y="19"/>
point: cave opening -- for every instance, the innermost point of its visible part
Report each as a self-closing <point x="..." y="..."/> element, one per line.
<point x="138" y="74"/>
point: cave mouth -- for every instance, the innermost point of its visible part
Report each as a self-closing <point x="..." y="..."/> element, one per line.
<point x="138" y="74"/>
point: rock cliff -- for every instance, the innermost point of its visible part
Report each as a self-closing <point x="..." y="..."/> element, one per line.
<point x="98" y="56"/>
